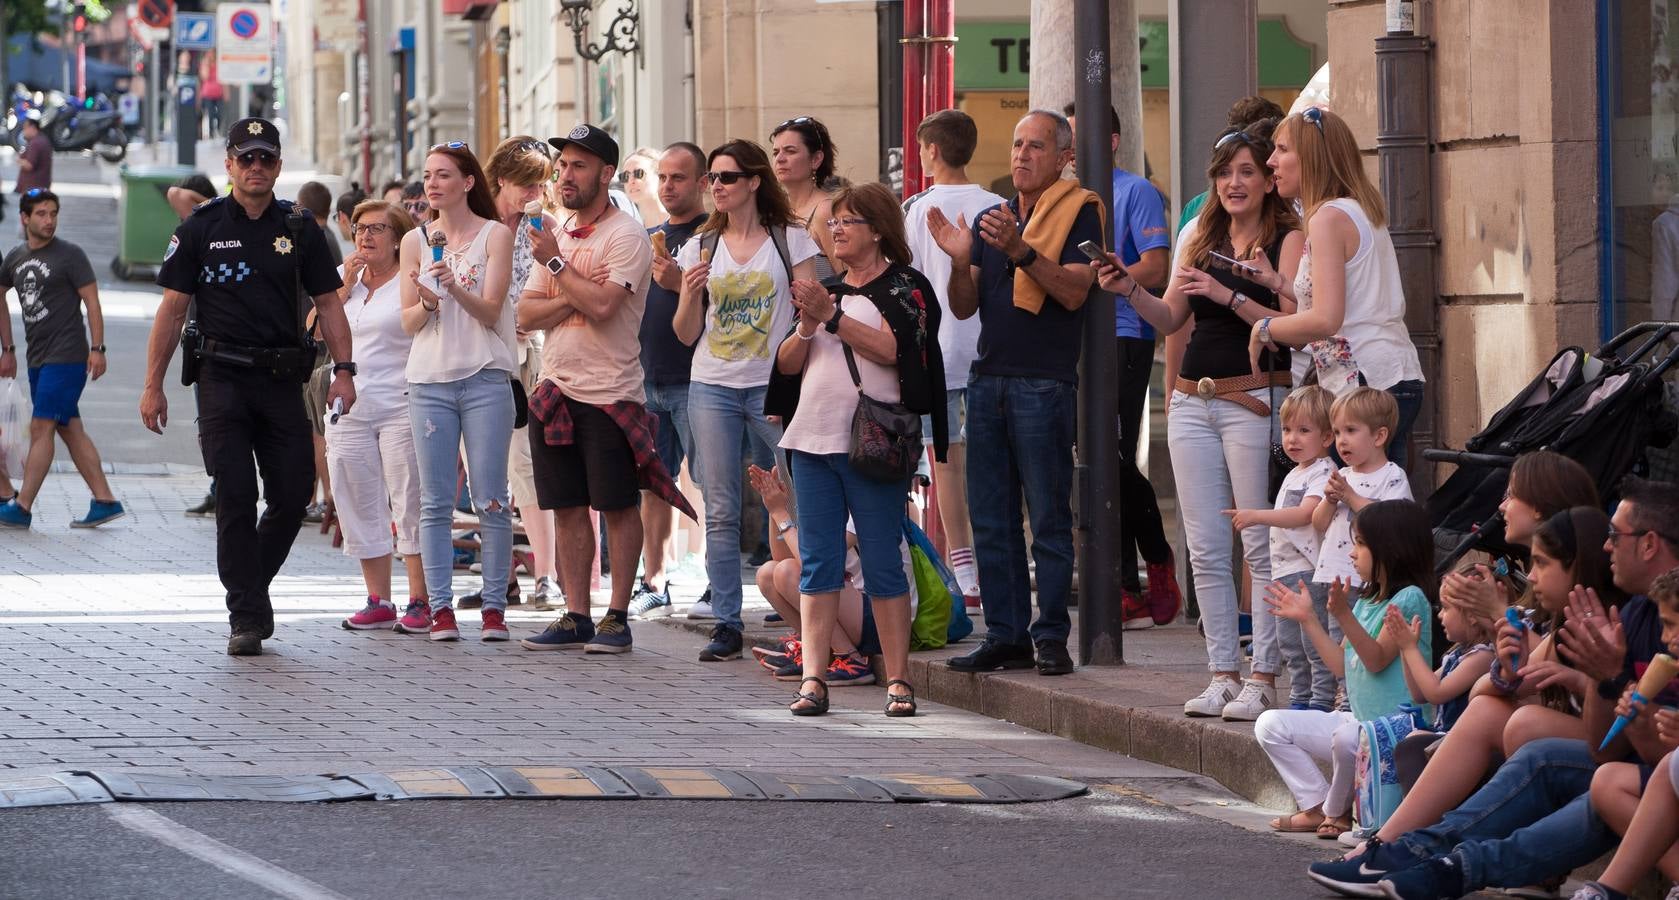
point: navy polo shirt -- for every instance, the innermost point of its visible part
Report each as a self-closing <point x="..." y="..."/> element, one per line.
<point x="1012" y="341"/>
<point x="664" y="359"/>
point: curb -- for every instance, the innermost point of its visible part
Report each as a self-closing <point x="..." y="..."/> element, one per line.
<point x="1137" y="722"/>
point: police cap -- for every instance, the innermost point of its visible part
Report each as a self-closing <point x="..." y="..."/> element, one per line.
<point x="253" y="134"/>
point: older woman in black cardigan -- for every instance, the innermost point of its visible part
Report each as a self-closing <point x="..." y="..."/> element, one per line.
<point x="871" y="331"/>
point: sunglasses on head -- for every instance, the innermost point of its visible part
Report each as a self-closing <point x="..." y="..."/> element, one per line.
<point x="725" y="177"/>
<point x="796" y="120"/>
<point x="34" y="192"/>
<point x="1313" y="115"/>
<point x="542" y="147"/>
<point x="1242" y="136"/>
<point x="625" y="176"/>
<point x="452" y="145"/>
<point x="257" y="158"/>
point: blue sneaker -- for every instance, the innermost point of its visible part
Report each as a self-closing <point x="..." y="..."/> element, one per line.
<point x="1361" y="875"/>
<point x="725" y="644"/>
<point x="14" y="516"/>
<point x="650" y="604"/>
<point x="99" y="512"/>
<point x="613" y="635"/>
<point x="568" y="632"/>
<point x="1440" y="878"/>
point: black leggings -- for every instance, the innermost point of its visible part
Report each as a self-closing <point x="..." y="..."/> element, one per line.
<point x="1139" y="512"/>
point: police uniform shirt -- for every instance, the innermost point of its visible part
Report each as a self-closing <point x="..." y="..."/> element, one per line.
<point x="241" y="271"/>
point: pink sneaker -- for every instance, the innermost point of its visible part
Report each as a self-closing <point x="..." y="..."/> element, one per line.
<point x="443" y="626"/>
<point x="416" y="619"/>
<point x="376" y="614"/>
<point x="495" y="626"/>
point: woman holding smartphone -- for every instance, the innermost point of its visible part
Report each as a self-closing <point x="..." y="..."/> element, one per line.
<point x="1220" y="424"/>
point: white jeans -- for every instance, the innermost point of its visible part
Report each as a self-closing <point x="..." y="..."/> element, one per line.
<point x="1221" y="460"/>
<point x="1297" y="739"/>
<point x="375" y="480"/>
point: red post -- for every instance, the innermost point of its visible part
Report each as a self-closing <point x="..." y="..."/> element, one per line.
<point x="929" y="75"/>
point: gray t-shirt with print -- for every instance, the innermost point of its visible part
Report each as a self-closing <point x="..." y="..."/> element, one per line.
<point x="47" y="281"/>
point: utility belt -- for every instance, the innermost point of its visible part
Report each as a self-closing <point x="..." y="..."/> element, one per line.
<point x="1235" y="389"/>
<point x="291" y="363"/>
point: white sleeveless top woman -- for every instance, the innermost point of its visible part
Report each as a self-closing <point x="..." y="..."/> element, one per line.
<point x="453" y="344"/>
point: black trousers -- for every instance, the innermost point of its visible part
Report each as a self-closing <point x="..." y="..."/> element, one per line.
<point x="250" y="424"/>
<point x="1139" y="512"/>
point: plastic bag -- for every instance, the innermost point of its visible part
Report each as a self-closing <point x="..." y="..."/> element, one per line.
<point x="14" y="426"/>
<point x="939" y="617"/>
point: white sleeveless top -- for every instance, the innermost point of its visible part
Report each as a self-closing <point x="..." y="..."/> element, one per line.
<point x="1373" y="337"/>
<point x="452" y="345"/>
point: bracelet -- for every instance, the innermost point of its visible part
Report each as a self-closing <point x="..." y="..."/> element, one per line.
<point x="801" y="334"/>
<point x="428" y="308"/>
<point x="1265" y="330"/>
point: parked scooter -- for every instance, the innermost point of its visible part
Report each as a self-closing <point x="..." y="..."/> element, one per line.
<point x="91" y="124"/>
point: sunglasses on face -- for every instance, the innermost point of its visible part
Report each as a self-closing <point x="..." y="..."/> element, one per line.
<point x="452" y="145"/>
<point x="725" y="177"/>
<point x="373" y="228"/>
<point x="257" y="158"/>
<point x="1313" y="115"/>
<point x="416" y="207"/>
<point x="625" y="176"/>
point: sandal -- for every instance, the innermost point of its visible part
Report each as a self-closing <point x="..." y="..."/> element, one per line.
<point x="1330" y="829"/>
<point x="1295" y="825"/>
<point x="894" y="700"/>
<point x="818" y="705"/>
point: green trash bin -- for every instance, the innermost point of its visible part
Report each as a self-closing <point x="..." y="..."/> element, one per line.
<point x="144" y="219"/>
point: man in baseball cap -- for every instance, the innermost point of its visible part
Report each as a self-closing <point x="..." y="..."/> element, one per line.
<point x="592" y="139"/>
<point x="253" y="134"/>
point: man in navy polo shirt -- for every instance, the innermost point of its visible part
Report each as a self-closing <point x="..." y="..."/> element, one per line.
<point x="1028" y="281"/>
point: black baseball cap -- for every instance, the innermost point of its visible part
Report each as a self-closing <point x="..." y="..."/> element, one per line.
<point x="591" y="139"/>
<point x="253" y="134"/>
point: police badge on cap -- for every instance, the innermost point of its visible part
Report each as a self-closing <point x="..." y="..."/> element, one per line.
<point x="253" y="134"/>
<point x="592" y="139"/>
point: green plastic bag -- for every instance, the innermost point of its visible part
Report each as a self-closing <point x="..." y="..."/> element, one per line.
<point x="929" y="630"/>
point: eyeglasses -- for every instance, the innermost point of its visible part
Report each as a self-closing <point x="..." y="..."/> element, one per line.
<point x="1242" y="136"/>
<point x="373" y="228"/>
<point x="1313" y="115"/>
<point x="847" y="221"/>
<point x="257" y="158"/>
<point x="625" y="176"/>
<point x="725" y="177"/>
<point x="1617" y="535"/>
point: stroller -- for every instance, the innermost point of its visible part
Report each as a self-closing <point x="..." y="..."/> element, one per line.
<point x="1605" y="410"/>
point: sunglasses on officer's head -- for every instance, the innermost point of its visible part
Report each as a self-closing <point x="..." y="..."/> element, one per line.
<point x="257" y="158"/>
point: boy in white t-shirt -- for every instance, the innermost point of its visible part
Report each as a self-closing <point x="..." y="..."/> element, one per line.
<point x="1364" y="419"/>
<point x="1306" y="436"/>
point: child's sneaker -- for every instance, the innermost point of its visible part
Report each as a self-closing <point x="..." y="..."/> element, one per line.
<point x="848" y="670"/>
<point x="376" y="614"/>
<point x="416" y="619"/>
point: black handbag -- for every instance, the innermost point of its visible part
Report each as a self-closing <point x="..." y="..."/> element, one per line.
<point x="885" y="437"/>
<point x="521" y="403"/>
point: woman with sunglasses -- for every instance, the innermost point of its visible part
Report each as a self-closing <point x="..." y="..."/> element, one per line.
<point x="804" y="162"/>
<point x="1221" y="419"/>
<point x="370" y="449"/>
<point x="463" y="358"/>
<point x="639" y="180"/>
<point x="1351" y="302"/>
<point x="738" y="276"/>
<point x="876" y="334"/>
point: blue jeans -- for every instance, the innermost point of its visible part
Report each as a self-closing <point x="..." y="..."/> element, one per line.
<point x="1408" y="394"/>
<point x="1020" y="446"/>
<point x="720" y="418"/>
<point x="1531" y="822"/>
<point x="669" y="404"/>
<point x="476" y="410"/>
<point x="829" y="492"/>
<point x="1309" y="680"/>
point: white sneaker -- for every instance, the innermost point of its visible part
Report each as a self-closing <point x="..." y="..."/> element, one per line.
<point x="702" y="607"/>
<point x="1254" y="699"/>
<point x="1219" y="693"/>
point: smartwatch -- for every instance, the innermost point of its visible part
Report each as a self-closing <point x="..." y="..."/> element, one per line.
<point x="833" y="323"/>
<point x="557" y="265"/>
<point x="1030" y="258"/>
<point x="1611" y="688"/>
<point x="96" y="348"/>
<point x="349" y="367"/>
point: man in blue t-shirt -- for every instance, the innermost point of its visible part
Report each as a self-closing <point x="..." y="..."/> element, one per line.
<point x="1022" y="399"/>
<point x="1142" y="241"/>
<point x="666" y="361"/>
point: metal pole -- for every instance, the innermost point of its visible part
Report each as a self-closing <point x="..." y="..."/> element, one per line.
<point x="1101" y="617"/>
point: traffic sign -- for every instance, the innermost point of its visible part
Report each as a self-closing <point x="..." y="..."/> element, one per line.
<point x="244" y="43"/>
<point x="195" y="31"/>
<point x="157" y="13"/>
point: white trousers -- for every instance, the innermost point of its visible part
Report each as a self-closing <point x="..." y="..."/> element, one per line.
<point x="1296" y="740"/>
<point x="375" y="481"/>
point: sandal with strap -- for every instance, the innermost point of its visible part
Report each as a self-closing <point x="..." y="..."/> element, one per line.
<point x="818" y="705"/>
<point x="899" y="700"/>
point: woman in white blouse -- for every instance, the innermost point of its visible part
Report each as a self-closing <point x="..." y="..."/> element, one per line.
<point x="370" y="449"/>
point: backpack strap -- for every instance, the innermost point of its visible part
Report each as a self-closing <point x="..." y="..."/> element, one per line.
<point x="778" y="234"/>
<point x="708" y="249"/>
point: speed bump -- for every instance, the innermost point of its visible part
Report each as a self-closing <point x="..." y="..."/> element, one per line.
<point x="61" y="789"/>
<point x="150" y="787"/>
<point x="454" y="783"/>
<point x="561" y="782"/>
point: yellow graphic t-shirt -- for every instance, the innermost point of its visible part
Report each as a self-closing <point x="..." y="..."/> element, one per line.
<point x="742" y="310"/>
<point x="750" y="311"/>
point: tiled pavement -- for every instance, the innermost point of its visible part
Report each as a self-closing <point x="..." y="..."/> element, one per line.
<point x="111" y="655"/>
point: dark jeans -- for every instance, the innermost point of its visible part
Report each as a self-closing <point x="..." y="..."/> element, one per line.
<point x="1139" y="513"/>
<point x="1532" y="821"/>
<point x="249" y="423"/>
<point x="1020" y="447"/>
<point x="1408" y="394"/>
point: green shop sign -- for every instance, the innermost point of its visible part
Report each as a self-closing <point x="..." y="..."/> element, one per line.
<point x="998" y="55"/>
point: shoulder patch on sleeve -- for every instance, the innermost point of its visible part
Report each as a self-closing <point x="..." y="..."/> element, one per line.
<point x="174" y="244"/>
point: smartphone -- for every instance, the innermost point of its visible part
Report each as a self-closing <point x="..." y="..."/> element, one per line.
<point x="1094" y="251"/>
<point x="1241" y="268"/>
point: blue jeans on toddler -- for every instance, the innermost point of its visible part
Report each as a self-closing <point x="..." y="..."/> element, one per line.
<point x="1310" y="681"/>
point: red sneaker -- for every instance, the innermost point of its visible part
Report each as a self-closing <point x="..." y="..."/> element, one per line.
<point x="443" y="626"/>
<point x="416" y="619"/>
<point x="1164" y="597"/>
<point x="376" y="614"/>
<point x="1135" y="609"/>
<point x="495" y="626"/>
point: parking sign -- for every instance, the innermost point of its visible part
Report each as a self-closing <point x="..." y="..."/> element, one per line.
<point x="195" y="31"/>
<point x="244" y="43"/>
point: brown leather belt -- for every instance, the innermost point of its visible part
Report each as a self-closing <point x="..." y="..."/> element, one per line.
<point x="1235" y="389"/>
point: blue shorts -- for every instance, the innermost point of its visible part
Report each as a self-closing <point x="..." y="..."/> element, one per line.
<point x="955" y="418"/>
<point x="827" y="491"/>
<point x="56" y="389"/>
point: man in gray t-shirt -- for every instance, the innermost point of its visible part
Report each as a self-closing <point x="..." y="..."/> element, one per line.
<point x="53" y="281"/>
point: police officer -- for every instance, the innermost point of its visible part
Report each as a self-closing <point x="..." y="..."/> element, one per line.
<point x="241" y="258"/>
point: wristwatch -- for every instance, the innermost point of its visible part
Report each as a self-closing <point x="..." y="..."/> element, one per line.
<point x="1611" y="688"/>
<point x="1030" y="258"/>
<point x="9" y="348"/>
<point x="349" y="367"/>
<point x="557" y="264"/>
<point x="783" y="527"/>
<point x="833" y="323"/>
<point x="96" y="348"/>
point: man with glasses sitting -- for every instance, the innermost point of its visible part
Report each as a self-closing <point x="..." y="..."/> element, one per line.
<point x="241" y="259"/>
